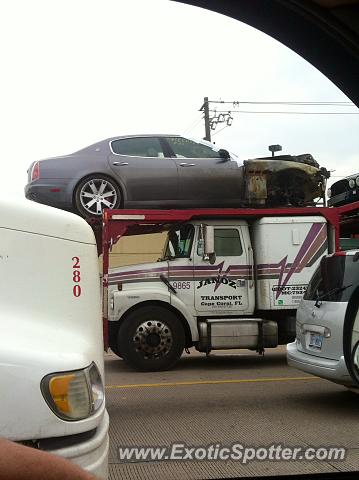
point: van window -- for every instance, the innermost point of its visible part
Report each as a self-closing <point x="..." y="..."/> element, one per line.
<point x="336" y="278"/>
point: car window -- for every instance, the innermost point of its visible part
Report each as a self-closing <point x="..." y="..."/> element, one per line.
<point x="138" y="147"/>
<point x="227" y="242"/>
<point x="186" y="148"/>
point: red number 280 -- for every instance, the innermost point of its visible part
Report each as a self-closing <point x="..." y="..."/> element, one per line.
<point x="76" y="276"/>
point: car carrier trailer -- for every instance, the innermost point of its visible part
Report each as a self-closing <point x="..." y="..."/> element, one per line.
<point x="196" y="296"/>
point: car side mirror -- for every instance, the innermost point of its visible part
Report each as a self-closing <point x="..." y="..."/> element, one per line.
<point x="224" y="154"/>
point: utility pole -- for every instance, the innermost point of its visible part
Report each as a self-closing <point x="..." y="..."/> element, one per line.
<point x="210" y="123"/>
<point x="205" y="109"/>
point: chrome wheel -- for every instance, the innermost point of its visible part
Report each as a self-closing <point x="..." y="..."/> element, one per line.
<point x="153" y="339"/>
<point x="97" y="194"/>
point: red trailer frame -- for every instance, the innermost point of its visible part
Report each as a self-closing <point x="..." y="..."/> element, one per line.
<point x="117" y="223"/>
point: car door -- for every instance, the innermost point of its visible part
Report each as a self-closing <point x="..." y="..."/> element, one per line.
<point x="145" y="172"/>
<point x="204" y="177"/>
<point x="224" y="287"/>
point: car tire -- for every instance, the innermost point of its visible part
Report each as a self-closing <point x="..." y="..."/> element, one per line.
<point x="95" y="193"/>
<point x="151" y="339"/>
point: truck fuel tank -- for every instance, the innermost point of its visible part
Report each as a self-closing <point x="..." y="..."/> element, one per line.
<point x="253" y="333"/>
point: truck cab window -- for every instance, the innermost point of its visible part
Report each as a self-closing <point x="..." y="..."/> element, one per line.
<point x="227" y="242"/>
<point x="179" y="242"/>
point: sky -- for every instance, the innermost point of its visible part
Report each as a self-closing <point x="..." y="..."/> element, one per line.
<point x="74" y="72"/>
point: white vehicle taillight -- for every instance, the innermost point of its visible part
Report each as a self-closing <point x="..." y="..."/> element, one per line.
<point x="35" y="172"/>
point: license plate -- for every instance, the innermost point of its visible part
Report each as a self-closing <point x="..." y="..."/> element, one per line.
<point x="316" y="340"/>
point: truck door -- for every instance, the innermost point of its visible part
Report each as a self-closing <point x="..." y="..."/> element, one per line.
<point x="226" y="287"/>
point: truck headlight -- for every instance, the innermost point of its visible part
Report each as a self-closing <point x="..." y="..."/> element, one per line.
<point x="74" y="395"/>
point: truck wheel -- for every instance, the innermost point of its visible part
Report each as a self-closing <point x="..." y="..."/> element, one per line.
<point x="151" y="339"/>
<point x="115" y="350"/>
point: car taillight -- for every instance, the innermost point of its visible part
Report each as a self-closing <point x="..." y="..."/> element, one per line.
<point x="35" y="172"/>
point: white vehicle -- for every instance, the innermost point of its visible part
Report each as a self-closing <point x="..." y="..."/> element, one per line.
<point x="51" y="348"/>
<point x="220" y="284"/>
<point x="328" y="314"/>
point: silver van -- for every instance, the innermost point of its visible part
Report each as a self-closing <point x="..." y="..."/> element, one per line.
<point x="327" y="320"/>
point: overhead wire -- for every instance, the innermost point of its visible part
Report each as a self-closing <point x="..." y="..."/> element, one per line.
<point x="218" y="131"/>
<point x="250" y="102"/>
<point x="193" y="124"/>
<point x="285" y="112"/>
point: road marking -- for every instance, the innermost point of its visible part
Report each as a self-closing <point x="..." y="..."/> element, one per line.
<point x="210" y="382"/>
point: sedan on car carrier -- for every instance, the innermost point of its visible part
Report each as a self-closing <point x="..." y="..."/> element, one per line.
<point x="166" y="171"/>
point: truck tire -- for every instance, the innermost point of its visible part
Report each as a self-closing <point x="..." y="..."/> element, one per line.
<point x="115" y="350"/>
<point x="151" y="339"/>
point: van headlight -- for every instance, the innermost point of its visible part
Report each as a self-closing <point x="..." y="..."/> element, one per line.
<point x="74" y="395"/>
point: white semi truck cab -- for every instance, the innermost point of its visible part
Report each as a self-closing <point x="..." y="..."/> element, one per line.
<point x="51" y="343"/>
<point x="221" y="283"/>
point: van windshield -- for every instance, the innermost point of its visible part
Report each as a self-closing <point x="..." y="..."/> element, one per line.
<point x="335" y="279"/>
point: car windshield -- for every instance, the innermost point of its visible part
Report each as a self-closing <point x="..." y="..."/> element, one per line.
<point x="335" y="279"/>
<point x="179" y="242"/>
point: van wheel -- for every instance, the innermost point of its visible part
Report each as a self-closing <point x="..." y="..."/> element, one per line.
<point x="151" y="339"/>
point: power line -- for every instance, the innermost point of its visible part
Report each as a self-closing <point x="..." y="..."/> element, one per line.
<point x="193" y="124"/>
<point x="218" y="131"/>
<point x="212" y="116"/>
<point x="284" y="112"/>
<point x="250" y="102"/>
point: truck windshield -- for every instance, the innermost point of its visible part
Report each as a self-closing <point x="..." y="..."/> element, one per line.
<point x="335" y="279"/>
<point x="179" y="242"/>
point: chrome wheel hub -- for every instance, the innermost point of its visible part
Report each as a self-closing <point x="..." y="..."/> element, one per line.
<point x="153" y="339"/>
<point x="97" y="194"/>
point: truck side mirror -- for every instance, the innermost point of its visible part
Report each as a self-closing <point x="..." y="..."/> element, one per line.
<point x="209" y="243"/>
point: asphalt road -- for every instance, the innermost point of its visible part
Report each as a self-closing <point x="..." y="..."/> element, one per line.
<point x="228" y="398"/>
